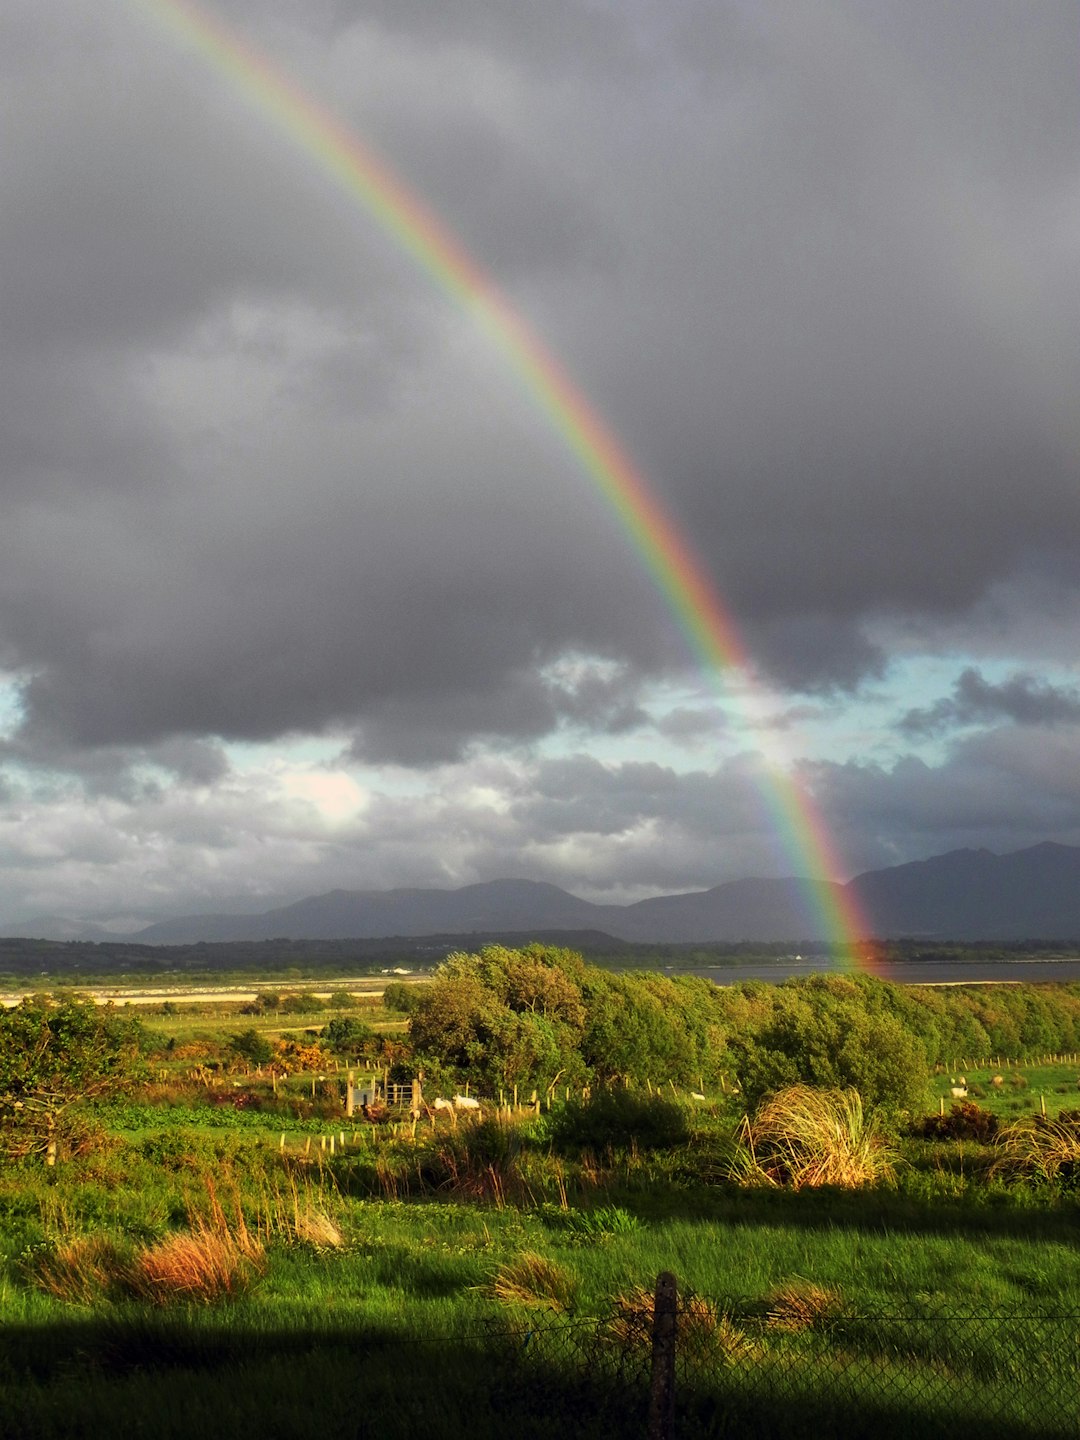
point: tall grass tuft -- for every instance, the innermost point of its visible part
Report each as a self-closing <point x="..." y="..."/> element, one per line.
<point x="217" y="1258"/>
<point x="703" y="1331"/>
<point x="803" y="1138"/>
<point x="199" y="1266"/>
<point x="800" y="1305"/>
<point x="478" y="1162"/>
<point x="79" y="1271"/>
<point x="1046" y="1150"/>
<point x="532" y="1280"/>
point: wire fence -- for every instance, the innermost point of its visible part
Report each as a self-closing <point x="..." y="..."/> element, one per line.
<point x="803" y="1364"/>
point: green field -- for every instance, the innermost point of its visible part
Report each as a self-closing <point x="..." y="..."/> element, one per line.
<point x="219" y="1250"/>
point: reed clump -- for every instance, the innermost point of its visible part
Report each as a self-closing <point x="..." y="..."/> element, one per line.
<point x="800" y="1305"/>
<point x="1047" y="1150"/>
<point x="81" y="1270"/>
<point x="804" y="1138"/>
<point x="704" y="1332"/>
<point x="532" y="1280"/>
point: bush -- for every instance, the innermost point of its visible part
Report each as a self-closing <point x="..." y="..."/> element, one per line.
<point x="249" y="1045"/>
<point x="619" y="1118"/>
<point x="965" y="1121"/>
<point x="303" y="1003"/>
<point x="346" y="1036"/>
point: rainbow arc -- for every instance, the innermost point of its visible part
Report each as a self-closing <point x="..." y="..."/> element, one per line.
<point x="676" y="571"/>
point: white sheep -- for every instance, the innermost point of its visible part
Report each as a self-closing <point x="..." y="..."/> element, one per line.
<point x="958" y="1092"/>
<point x="466" y="1102"/>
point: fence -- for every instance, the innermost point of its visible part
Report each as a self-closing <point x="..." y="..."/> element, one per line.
<point x="804" y="1364"/>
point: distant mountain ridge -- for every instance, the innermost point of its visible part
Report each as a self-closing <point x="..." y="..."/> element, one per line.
<point x="962" y="895"/>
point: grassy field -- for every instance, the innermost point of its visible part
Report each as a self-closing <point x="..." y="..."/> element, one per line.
<point x="404" y="1277"/>
<point x="222" y="1251"/>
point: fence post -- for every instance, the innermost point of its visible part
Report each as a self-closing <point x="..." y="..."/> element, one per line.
<point x="662" y="1381"/>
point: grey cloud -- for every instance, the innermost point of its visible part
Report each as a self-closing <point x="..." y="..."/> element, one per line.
<point x="524" y="707"/>
<point x="792" y="259"/>
<point x="977" y="701"/>
<point x="1002" y="790"/>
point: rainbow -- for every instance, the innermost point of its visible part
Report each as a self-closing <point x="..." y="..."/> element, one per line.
<point x="676" y="572"/>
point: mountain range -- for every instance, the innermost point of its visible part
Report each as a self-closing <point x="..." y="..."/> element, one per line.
<point x="963" y="895"/>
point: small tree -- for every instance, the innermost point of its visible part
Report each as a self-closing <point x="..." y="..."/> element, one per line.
<point x="400" y="998"/>
<point x="346" y="1036"/>
<point x="252" y="1047"/>
<point x="54" y="1053"/>
<point x="301" y="1002"/>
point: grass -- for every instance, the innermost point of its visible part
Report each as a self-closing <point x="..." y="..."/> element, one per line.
<point x="808" y="1138"/>
<point x="382" y="1277"/>
<point x="1024" y="1089"/>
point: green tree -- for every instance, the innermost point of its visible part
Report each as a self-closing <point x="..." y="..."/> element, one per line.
<point x="503" y="1017"/>
<point x="301" y="1002"/>
<point x="400" y="998"/>
<point x="348" y="1036"/>
<point x="249" y="1045"/>
<point x="53" y="1054"/>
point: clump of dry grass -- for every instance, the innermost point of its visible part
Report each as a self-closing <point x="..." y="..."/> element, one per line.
<point x="79" y="1271"/>
<point x="1043" y="1150"/>
<point x="532" y="1280"/>
<point x="702" y="1331"/>
<point x="297" y="1215"/>
<point x="804" y="1138"/>
<point x="215" y="1259"/>
<point x="200" y="1266"/>
<point x="800" y="1305"/>
<point x="312" y="1226"/>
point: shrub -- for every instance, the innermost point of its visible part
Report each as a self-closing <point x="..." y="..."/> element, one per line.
<point x="965" y="1121"/>
<point x="249" y="1045"/>
<point x="618" y="1118"/>
<point x="301" y="1003"/>
<point x="347" y="1036"/>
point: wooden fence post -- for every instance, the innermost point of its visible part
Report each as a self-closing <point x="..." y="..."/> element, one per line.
<point x="662" y="1381"/>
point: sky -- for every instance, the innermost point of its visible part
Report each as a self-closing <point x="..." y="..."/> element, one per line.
<point x="300" y="589"/>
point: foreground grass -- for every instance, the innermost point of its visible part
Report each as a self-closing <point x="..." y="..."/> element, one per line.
<point x="368" y="1314"/>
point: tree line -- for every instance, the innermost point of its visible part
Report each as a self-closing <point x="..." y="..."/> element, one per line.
<point x="541" y="1016"/>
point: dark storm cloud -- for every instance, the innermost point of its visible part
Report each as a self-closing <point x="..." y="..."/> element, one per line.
<point x="261" y="479"/>
<point x="977" y="701"/>
<point x="524" y="707"/>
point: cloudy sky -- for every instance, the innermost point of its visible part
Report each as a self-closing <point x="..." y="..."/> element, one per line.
<point x="299" y="588"/>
